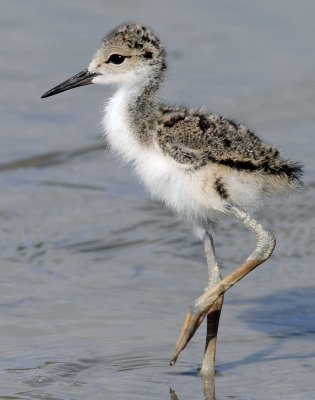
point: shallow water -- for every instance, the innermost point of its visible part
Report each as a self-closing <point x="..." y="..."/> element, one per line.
<point x="96" y="277"/>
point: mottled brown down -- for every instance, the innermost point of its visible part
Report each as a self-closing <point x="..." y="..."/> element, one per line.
<point x="193" y="137"/>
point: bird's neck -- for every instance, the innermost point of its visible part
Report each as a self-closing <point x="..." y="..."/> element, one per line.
<point x="131" y="117"/>
<point x="142" y="108"/>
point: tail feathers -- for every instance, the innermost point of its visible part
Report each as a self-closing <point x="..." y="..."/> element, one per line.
<point x="292" y="170"/>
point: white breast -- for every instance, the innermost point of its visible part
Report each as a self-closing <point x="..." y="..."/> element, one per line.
<point x="163" y="177"/>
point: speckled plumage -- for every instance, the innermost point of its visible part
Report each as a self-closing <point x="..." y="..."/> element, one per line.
<point x="210" y="138"/>
<point x="229" y="161"/>
<point x="226" y="158"/>
<point x="195" y="140"/>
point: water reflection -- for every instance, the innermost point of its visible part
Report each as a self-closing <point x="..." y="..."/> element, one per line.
<point x="208" y="385"/>
<point x="173" y="395"/>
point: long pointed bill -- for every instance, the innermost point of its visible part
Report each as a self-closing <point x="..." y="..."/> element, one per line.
<point x="81" y="79"/>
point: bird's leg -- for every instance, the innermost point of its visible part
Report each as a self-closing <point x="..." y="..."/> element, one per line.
<point x="213" y="316"/>
<point x="202" y="305"/>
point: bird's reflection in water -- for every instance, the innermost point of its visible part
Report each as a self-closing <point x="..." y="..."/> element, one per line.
<point x="173" y="395"/>
<point x="208" y="384"/>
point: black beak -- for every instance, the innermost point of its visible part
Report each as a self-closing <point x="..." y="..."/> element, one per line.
<point x="81" y="79"/>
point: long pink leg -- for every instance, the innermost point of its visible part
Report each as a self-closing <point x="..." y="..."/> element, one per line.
<point x="202" y="305"/>
<point x="213" y="317"/>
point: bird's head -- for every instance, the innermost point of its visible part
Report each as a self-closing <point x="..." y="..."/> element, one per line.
<point x="130" y="55"/>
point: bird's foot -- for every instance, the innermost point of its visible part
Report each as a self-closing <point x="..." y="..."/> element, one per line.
<point x="192" y="322"/>
<point x="197" y="312"/>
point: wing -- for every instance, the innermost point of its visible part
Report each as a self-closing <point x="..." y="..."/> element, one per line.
<point x="196" y="138"/>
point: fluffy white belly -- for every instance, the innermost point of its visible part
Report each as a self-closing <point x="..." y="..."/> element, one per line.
<point x="166" y="180"/>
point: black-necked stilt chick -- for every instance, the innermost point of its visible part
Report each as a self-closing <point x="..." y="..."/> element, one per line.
<point x="200" y="165"/>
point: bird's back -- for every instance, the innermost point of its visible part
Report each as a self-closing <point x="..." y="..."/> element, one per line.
<point x="195" y="138"/>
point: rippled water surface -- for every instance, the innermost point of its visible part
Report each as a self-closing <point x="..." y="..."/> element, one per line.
<point x="95" y="276"/>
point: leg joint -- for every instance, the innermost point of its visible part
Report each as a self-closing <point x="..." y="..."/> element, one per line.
<point x="266" y="242"/>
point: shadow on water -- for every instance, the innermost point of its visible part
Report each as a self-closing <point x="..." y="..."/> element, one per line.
<point x="283" y="315"/>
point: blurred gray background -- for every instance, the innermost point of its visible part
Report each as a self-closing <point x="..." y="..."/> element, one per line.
<point x="95" y="276"/>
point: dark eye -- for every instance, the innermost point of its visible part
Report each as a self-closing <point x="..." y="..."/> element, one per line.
<point x="116" y="59"/>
